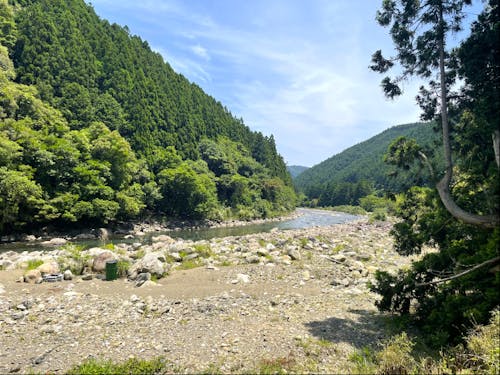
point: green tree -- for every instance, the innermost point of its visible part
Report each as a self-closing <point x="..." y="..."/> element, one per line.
<point x="20" y="199"/>
<point x="187" y="194"/>
<point x="419" y="30"/>
<point x="449" y="289"/>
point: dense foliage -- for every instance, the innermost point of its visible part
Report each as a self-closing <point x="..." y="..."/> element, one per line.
<point x="96" y="127"/>
<point x="360" y="170"/>
<point x="458" y="284"/>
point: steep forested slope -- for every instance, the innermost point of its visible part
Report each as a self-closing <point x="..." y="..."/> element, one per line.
<point x="94" y="127"/>
<point x="357" y="170"/>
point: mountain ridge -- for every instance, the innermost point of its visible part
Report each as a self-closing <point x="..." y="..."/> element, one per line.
<point x="364" y="162"/>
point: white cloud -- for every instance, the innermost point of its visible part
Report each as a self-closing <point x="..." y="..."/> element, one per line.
<point x="200" y="51"/>
<point x="185" y="66"/>
<point x="296" y="70"/>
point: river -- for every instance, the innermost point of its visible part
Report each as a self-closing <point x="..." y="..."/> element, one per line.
<point x="306" y="218"/>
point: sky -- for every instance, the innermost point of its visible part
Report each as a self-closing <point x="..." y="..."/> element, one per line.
<point x="297" y="69"/>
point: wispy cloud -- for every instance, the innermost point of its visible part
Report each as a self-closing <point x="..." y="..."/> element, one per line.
<point x="292" y="68"/>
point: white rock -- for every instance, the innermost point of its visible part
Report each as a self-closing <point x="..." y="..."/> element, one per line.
<point x="241" y="277"/>
<point x="55" y="242"/>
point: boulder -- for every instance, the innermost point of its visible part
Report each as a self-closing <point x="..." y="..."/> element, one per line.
<point x="99" y="263"/>
<point x="150" y="263"/>
<point x="85" y="236"/>
<point x="33" y="277"/>
<point x="48" y="268"/>
<point x="55" y="242"/>
<point x="163" y="238"/>
<point x="102" y="233"/>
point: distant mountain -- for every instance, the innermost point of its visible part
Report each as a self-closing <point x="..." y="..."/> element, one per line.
<point x="363" y="163"/>
<point x="295" y="170"/>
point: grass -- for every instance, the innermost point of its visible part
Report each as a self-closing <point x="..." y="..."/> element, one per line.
<point x="33" y="264"/>
<point x="204" y="250"/>
<point x="189" y="264"/>
<point x="109" y="246"/>
<point x="399" y="355"/>
<point x="123" y="266"/>
<point x="132" y="366"/>
<point x="281" y="365"/>
<point x="337" y="249"/>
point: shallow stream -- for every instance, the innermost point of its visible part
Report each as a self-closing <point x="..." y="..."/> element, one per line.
<point x="306" y="218"/>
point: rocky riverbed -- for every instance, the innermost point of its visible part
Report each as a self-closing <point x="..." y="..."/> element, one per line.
<point x="295" y="298"/>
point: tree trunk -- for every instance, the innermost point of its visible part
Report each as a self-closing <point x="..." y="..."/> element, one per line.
<point x="443" y="186"/>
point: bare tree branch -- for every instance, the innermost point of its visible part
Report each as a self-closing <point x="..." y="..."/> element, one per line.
<point x="485" y="263"/>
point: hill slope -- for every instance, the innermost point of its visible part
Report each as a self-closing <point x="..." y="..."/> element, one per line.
<point x="296" y="170"/>
<point x="364" y="163"/>
<point x="96" y="127"/>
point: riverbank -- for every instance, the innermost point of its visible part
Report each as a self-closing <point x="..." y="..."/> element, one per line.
<point x="295" y="297"/>
<point x="139" y="228"/>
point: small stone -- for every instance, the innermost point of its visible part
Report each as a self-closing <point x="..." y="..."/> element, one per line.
<point x="270" y="247"/>
<point x="191" y="256"/>
<point x="294" y="254"/>
<point x="134" y="298"/>
<point x="68" y="275"/>
<point x="87" y="277"/>
<point x="252" y="259"/>
<point x="340" y="258"/>
<point x="306" y="275"/>
<point x="18" y="315"/>
<point x="176" y="256"/>
<point x="241" y="277"/>
<point x="262" y="252"/>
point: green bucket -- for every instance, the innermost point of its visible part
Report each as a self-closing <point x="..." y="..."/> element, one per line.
<point x="111" y="269"/>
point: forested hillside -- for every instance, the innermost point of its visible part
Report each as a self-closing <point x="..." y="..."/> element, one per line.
<point x="357" y="171"/>
<point x="295" y="170"/>
<point x="95" y="127"/>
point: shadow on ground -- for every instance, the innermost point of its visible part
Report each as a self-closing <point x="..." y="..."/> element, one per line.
<point x="360" y="328"/>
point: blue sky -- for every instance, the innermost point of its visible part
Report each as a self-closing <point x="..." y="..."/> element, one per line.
<point x="297" y="69"/>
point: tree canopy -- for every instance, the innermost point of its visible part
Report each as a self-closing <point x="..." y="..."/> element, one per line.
<point x="96" y="127"/>
<point x="447" y="290"/>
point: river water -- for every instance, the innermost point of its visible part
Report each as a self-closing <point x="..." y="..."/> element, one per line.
<point x="306" y="218"/>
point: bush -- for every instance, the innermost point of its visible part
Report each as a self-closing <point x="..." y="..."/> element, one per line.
<point x="353" y="210"/>
<point x="480" y="354"/>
